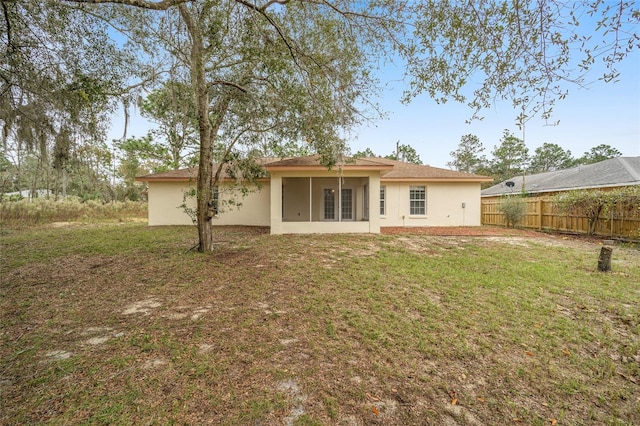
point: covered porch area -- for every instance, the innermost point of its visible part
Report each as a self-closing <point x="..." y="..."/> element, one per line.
<point x="317" y="200"/>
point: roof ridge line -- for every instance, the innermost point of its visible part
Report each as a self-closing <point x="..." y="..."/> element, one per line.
<point x="634" y="173"/>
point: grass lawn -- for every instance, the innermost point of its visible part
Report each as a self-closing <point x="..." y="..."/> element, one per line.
<point x="121" y="324"/>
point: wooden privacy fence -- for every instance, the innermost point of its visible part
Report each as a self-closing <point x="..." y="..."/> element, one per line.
<point x="543" y="214"/>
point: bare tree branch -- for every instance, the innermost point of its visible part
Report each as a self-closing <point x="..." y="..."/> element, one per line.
<point x="269" y="3"/>
<point x="8" y="23"/>
<point x="228" y="83"/>
<point x="145" y="4"/>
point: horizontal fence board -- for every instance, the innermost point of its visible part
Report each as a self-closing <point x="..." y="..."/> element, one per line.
<point x="542" y="214"/>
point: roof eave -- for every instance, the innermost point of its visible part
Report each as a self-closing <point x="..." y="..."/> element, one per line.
<point x="434" y="179"/>
<point x="164" y="179"/>
<point x="185" y="179"/>
<point x="324" y="168"/>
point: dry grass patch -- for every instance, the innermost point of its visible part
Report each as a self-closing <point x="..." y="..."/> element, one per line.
<point x="120" y="324"/>
<point x="68" y="211"/>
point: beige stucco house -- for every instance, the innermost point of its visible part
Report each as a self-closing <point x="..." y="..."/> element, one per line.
<point x="299" y="195"/>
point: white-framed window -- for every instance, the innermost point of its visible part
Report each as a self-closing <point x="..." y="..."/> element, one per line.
<point x="383" y="200"/>
<point x="329" y="204"/>
<point x="417" y="200"/>
<point x="347" y="204"/>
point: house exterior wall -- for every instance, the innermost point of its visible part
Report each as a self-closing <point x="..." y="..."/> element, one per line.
<point x="165" y="199"/>
<point x="444" y="204"/>
<point x="253" y="211"/>
<point x="264" y="207"/>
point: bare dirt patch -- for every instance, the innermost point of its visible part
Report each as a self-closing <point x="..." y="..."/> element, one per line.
<point x="58" y="355"/>
<point x="460" y="231"/>
<point x="142" y="307"/>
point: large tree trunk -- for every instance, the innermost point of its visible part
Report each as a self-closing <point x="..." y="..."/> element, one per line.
<point x="204" y="185"/>
<point x="205" y="190"/>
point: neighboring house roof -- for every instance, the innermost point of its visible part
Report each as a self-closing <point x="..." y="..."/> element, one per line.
<point x="615" y="172"/>
<point x="391" y="170"/>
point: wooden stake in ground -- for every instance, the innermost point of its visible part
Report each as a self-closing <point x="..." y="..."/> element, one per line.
<point x="604" y="261"/>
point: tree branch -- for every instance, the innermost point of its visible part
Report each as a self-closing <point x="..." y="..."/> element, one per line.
<point x="228" y="83"/>
<point x="262" y="11"/>
<point x="145" y="4"/>
<point x="269" y="3"/>
<point x="8" y="23"/>
<point x="137" y="85"/>
<point x="222" y="107"/>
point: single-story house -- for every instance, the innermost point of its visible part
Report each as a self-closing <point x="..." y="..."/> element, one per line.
<point x="608" y="174"/>
<point x="300" y="195"/>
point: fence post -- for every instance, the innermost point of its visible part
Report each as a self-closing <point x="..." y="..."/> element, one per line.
<point x="539" y="206"/>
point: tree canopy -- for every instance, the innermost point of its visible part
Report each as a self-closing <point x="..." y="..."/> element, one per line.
<point x="468" y="157"/>
<point x="60" y="76"/>
<point x="550" y="157"/>
<point x="510" y="157"/>
<point x="171" y="106"/>
<point x="599" y="153"/>
<point x="403" y="152"/>
<point x="529" y="53"/>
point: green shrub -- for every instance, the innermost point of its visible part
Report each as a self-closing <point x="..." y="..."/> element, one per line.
<point x="597" y="204"/>
<point x="514" y="209"/>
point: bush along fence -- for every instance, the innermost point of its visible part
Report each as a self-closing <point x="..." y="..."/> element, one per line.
<point x="614" y="213"/>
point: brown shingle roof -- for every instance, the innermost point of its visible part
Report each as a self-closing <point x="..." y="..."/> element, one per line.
<point x="189" y="174"/>
<point x="313" y="162"/>
<point x="173" y="175"/>
<point x="391" y="170"/>
<point x="410" y="171"/>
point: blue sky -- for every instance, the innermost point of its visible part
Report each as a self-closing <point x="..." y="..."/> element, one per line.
<point x="604" y="113"/>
